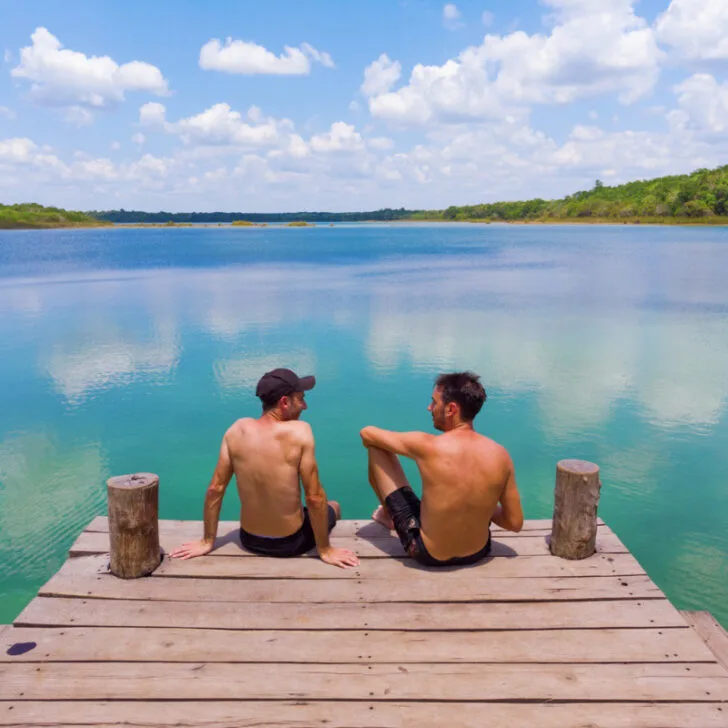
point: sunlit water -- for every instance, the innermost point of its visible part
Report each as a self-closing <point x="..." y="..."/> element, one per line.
<point x="133" y="350"/>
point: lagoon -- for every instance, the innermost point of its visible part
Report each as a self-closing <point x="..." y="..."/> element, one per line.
<point x="133" y="349"/>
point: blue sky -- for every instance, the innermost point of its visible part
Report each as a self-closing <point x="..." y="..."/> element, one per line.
<point x="182" y="105"/>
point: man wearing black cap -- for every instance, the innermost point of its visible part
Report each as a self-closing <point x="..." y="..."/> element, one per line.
<point x="270" y="457"/>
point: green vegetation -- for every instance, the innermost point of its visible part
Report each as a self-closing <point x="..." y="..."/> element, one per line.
<point x="134" y="216"/>
<point x="30" y="215"/>
<point x="698" y="197"/>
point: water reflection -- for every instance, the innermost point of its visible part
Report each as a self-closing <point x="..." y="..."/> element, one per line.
<point x="672" y="365"/>
<point x="110" y="358"/>
<point x="49" y="492"/>
<point x="243" y="373"/>
<point x="615" y="350"/>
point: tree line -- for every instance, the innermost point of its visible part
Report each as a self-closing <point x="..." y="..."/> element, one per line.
<point x="137" y="216"/>
<point x="31" y="215"/>
<point x="702" y="194"/>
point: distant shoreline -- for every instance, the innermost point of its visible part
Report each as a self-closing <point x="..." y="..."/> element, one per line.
<point x="57" y="226"/>
<point x="647" y="221"/>
<point x="713" y="221"/>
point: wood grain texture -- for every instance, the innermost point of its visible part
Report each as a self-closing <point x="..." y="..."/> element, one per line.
<point x="69" y="612"/>
<point x="228" y="544"/>
<point x="345" y="527"/>
<point x="402" y="570"/>
<point x="711" y="632"/>
<point x="133" y="531"/>
<point x="360" y="591"/>
<point x="694" y="682"/>
<point x="367" y="714"/>
<point x="576" y="498"/>
<point x="108" y="644"/>
<point x="523" y="639"/>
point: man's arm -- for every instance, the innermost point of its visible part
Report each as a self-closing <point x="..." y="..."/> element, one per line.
<point x="509" y="514"/>
<point x="410" y="444"/>
<point x="318" y="505"/>
<point x="213" y="502"/>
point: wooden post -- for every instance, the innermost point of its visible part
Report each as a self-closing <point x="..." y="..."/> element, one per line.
<point x="134" y="524"/>
<point x="574" y="531"/>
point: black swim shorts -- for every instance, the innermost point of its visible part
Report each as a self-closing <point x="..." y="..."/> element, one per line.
<point x="294" y="545"/>
<point x="404" y="508"/>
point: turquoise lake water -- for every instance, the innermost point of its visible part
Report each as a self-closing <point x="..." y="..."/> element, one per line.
<point x="133" y="349"/>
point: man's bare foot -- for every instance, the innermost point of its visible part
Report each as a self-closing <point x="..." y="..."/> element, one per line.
<point x="381" y="515"/>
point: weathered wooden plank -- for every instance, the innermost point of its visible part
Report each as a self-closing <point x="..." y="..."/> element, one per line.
<point x="346" y="527"/>
<point x="96" y="542"/>
<point x="137" y="644"/>
<point x="424" y="589"/>
<point x="404" y="570"/>
<point x="257" y="714"/>
<point x="65" y="612"/>
<point x="711" y="632"/>
<point x="695" y="682"/>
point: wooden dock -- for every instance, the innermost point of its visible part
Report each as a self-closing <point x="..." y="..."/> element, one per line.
<point x="231" y="639"/>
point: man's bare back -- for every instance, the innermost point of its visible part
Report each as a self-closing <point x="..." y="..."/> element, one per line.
<point x="271" y="457"/>
<point x="468" y="480"/>
<point x="464" y="475"/>
<point x="265" y="456"/>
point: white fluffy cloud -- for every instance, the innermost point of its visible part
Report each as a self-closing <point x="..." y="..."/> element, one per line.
<point x="703" y="104"/>
<point x="65" y="78"/>
<point x="696" y="29"/>
<point x="380" y="76"/>
<point x="219" y="125"/>
<point x="342" y="137"/>
<point x="593" y="48"/>
<point x="19" y="149"/>
<point x="245" y="57"/>
<point x="458" y="90"/>
<point x="451" y="16"/>
<point x="152" y="114"/>
<point x="21" y="154"/>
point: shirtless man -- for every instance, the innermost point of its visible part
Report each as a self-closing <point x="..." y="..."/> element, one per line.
<point x="468" y="480"/>
<point x="268" y="457"/>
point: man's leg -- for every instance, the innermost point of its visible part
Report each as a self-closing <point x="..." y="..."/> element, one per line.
<point x="385" y="476"/>
<point x="337" y="509"/>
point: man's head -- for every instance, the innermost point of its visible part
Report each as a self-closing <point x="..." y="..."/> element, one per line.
<point x="283" y="390"/>
<point x="456" y="398"/>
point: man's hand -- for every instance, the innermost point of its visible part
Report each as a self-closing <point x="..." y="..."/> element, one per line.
<point x="191" y="549"/>
<point x="343" y="558"/>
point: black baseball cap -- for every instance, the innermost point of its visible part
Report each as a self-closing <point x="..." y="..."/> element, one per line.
<point x="282" y="382"/>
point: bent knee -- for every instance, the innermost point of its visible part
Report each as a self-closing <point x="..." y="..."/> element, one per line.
<point x="337" y="509"/>
<point x="382" y="456"/>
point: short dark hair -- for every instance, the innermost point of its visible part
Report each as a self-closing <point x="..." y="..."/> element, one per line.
<point x="269" y="401"/>
<point x="465" y="389"/>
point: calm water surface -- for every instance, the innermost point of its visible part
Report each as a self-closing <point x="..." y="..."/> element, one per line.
<point x="133" y="350"/>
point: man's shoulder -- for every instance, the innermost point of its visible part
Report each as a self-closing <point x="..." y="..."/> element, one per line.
<point x="240" y="424"/>
<point x="495" y="450"/>
<point x="298" y="429"/>
<point x="482" y="443"/>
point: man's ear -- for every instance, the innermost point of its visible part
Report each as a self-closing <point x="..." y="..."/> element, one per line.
<point x="451" y="409"/>
<point x="284" y="402"/>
